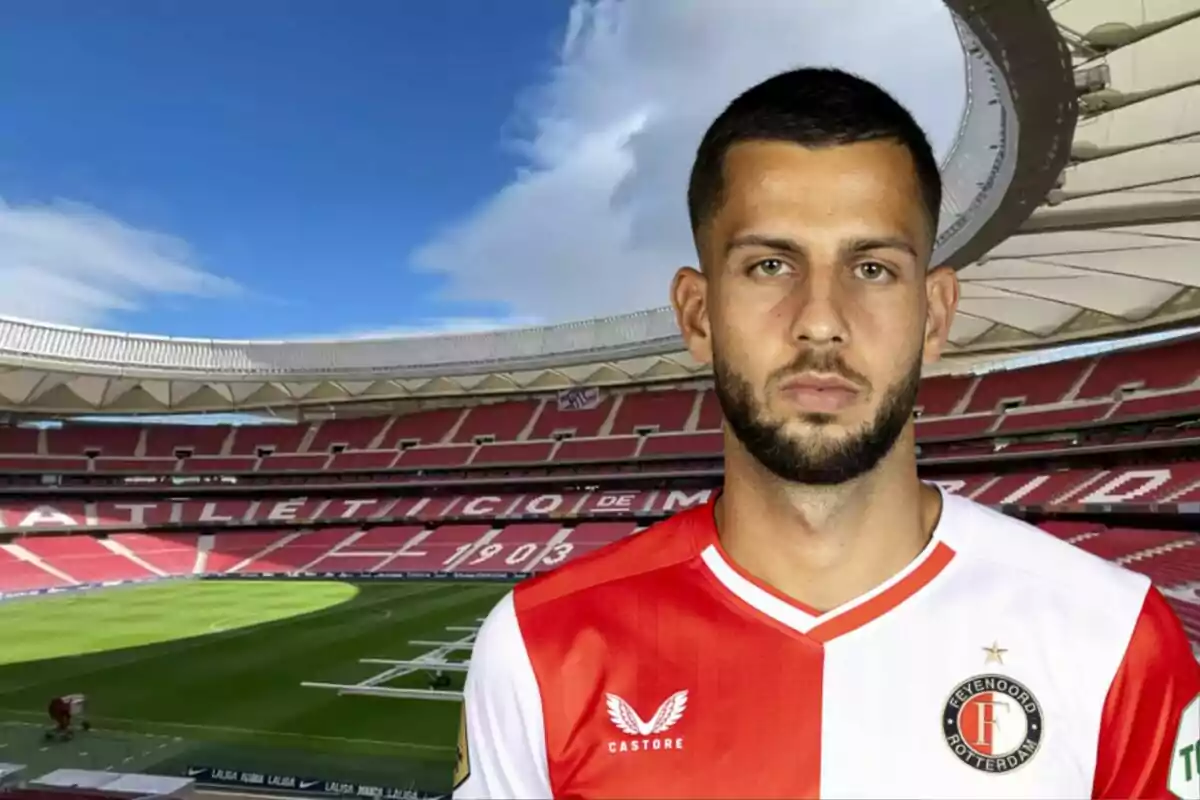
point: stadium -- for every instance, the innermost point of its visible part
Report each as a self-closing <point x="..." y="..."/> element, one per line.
<point x="287" y="609"/>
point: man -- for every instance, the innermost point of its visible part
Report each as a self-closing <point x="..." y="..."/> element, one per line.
<point x="829" y="626"/>
<point x="65" y="710"/>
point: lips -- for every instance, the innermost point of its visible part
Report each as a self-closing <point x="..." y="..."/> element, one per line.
<point x="820" y="393"/>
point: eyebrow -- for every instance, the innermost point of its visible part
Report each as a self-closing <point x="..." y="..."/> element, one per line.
<point x="882" y="243"/>
<point x="769" y="242"/>
<point x="788" y="245"/>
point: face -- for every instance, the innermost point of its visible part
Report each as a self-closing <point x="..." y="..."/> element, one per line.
<point x="815" y="304"/>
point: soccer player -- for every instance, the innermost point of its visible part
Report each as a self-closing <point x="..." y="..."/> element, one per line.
<point x="829" y="625"/>
<point x="65" y="710"/>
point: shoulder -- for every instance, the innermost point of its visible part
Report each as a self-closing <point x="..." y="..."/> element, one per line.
<point x="501" y="747"/>
<point x="1159" y="637"/>
<point x="1065" y="595"/>
<point x="532" y="625"/>
<point x="1152" y="711"/>
<point x="663" y="545"/>
<point x="499" y="638"/>
<point x="1026" y="554"/>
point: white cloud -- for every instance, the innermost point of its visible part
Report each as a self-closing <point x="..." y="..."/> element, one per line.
<point x="595" y="221"/>
<point x="73" y="264"/>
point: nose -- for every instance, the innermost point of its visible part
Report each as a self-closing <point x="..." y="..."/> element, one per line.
<point x="818" y="307"/>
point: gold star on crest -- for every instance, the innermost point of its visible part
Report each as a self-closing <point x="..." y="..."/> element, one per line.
<point x="994" y="653"/>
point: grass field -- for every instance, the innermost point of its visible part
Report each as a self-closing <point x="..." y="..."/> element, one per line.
<point x="209" y="672"/>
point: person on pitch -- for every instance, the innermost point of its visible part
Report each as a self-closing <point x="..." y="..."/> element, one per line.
<point x="828" y="625"/>
<point x="66" y="711"/>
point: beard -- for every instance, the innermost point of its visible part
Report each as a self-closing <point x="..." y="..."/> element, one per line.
<point x="811" y="460"/>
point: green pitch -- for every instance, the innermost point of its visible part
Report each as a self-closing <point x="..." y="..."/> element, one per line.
<point x="209" y="672"/>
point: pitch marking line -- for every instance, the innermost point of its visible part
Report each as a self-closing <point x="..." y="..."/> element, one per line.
<point x="250" y="731"/>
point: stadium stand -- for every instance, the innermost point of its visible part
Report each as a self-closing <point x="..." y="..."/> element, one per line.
<point x="301" y="518"/>
<point x="1166" y="487"/>
<point x="1158" y="383"/>
<point x="43" y="561"/>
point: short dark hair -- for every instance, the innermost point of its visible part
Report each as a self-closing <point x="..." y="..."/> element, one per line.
<point x="814" y="108"/>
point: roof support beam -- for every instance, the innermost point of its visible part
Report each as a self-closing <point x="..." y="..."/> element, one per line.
<point x="1112" y="217"/>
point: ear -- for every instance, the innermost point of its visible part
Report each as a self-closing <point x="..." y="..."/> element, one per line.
<point x="689" y="298"/>
<point x="941" y="302"/>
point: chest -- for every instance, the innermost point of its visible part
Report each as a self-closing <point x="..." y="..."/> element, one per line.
<point x="719" y="707"/>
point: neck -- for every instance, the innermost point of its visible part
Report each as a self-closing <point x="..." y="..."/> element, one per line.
<point x="826" y="545"/>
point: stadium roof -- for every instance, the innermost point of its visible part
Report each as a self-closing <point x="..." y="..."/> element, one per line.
<point x="1116" y="247"/>
<point x="1072" y="211"/>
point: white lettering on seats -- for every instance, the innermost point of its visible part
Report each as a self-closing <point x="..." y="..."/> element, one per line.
<point x="486" y="552"/>
<point x="523" y="553"/>
<point x="208" y="513"/>
<point x="1130" y="485"/>
<point x="677" y="500"/>
<point x="459" y="552"/>
<point x="137" y="511"/>
<point x="544" y="504"/>
<point x="286" y="510"/>
<point x="485" y="504"/>
<point x="47" y="515"/>
<point x="615" y="500"/>
<point x="354" y="506"/>
<point x="558" y="554"/>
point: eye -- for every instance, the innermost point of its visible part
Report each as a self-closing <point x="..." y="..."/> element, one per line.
<point x="770" y="267"/>
<point x="873" y="271"/>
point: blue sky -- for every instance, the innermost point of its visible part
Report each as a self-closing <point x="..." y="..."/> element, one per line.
<point x="279" y="168"/>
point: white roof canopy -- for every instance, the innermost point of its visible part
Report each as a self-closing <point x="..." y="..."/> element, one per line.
<point x="1088" y="117"/>
<point x="1116" y="247"/>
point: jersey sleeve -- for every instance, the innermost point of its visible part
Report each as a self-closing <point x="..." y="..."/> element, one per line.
<point x="1150" y="727"/>
<point x="502" y="736"/>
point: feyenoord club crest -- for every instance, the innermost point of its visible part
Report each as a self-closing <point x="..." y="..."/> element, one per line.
<point x="992" y="723"/>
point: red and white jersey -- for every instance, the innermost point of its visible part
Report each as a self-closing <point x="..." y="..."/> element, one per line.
<point x="1001" y="663"/>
